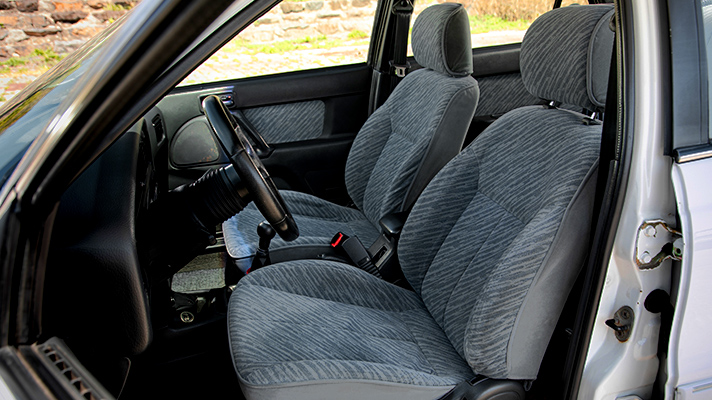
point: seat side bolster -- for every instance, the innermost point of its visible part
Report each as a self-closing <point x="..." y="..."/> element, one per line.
<point x="547" y="295"/>
<point x="447" y="140"/>
<point x="344" y="390"/>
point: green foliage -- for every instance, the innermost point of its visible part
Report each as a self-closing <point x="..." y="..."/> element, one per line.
<point x="489" y="23"/>
<point x="356" y="34"/>
<point x="241" y="46"/>
<point x="38" y="58"/>
<point x="510" y="10"/>
<point x="116" y="7"/>
<point x="48" y="56"/>
<point x="14" y="62"/>
<point x="309" y="39"/>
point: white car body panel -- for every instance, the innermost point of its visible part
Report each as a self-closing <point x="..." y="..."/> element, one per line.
<point x="649" y="196"/>
<point x="5" y="392"/>
<point x="690" y="356"/>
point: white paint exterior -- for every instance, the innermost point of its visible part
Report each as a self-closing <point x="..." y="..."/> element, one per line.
<point x="690" y="354"/>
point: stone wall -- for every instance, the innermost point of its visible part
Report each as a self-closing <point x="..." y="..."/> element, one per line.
<point x="63" y="25"/>
<point x="294" y="20"/>
<point x="58" y="25"/>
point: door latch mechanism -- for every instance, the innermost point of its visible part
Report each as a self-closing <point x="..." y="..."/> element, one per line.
<point x="656" y="242"/>
<point x="622" y="323"/>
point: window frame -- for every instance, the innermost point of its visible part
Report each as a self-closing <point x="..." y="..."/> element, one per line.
<point x="689" y="134"/>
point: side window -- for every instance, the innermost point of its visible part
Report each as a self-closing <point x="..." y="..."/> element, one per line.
<point x="495" y="23"/>
<point x="295" y="35"/>
<point x="707" y="27"/>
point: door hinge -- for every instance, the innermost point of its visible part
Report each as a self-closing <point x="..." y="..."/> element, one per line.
<point x="656" y="242"/>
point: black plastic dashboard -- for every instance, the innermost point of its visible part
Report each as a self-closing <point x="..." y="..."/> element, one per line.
<point x="97" y="290"/>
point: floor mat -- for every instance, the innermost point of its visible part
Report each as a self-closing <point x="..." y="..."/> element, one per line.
<point x="210" y="376"/>
<point x="205" y="272"/>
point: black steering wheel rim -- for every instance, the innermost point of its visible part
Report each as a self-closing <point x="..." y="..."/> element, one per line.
<point x="250" y="169"/>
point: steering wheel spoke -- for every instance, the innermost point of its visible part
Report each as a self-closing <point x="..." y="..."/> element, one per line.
<point x="250" y="169"/>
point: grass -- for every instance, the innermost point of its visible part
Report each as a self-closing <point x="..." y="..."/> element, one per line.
<point x="48" y="56"/>
<point x="489" y="23"/>
<point x="241" y="46"/>
<point x="510" y="10"/>
<point x="14" y="62"/>
<point x="38" y="59"/>
<point x="117" y="7"/>
<point x="356" y="34"/>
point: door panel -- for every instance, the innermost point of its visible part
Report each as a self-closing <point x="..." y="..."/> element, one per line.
<point x="307" y="118"/>
<point x="291" y="122"/>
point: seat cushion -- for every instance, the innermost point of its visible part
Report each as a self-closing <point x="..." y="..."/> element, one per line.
<point x="318" y="221"/>
<point x="331" y="328"/>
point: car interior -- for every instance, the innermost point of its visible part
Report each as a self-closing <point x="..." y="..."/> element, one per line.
<point x="282" y="236"/>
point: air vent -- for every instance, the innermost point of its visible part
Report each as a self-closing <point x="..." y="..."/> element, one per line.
<point x="157" y="123"/>
<point x="67" y="367"/>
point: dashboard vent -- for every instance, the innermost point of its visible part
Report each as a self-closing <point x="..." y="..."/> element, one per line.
<point x="68" y="368"/>
<point x="157" y="123"/>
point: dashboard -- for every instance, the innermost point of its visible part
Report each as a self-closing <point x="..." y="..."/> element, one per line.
<point x="100" y="247"/>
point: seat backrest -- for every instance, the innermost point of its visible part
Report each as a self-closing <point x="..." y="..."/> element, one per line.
<point x="496" y="240"/>
<point x="423" y="123"/>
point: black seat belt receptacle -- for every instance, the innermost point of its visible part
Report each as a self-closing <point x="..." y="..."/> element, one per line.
<point x="356" y="251"/>
<point x="403" y="9"/>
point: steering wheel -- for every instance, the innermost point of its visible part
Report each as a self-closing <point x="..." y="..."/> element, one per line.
<point x="250" y="169"/>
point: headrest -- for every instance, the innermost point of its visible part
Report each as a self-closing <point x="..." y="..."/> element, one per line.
<point x="441" y="39"/>
<point x="566" y="55"/>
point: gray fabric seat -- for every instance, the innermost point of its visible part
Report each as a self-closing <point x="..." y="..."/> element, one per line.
<point x="399" y="149"/>
<point x="491" y="248"/>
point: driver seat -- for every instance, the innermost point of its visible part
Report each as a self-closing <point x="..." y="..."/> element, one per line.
<point x="491" y="249"/>
<point x="399" y="149"/>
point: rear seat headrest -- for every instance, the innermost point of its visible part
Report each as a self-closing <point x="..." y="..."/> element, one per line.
<point x="441" y="39"/>
<point x="566" y="55"/>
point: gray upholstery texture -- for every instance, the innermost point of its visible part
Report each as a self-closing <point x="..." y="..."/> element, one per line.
<point x="318" y="221"/>
<point x="475" y="248"/>
<point x="491" y="248"/>
<point x="551" y="50"/>
<point x="344" y="324"/>
<point x="488" y="231"/>
<point x="502" y="93"/>
<point x="446" y="46"/>
<point x="388" y="151"/>
<point x="290" y="122"/>
<point x="399" y="149"/>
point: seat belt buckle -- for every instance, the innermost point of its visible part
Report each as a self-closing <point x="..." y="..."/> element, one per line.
<point x="400" y="69"/>
<point x="356" y="251"/>
<point x="338" y="240"/>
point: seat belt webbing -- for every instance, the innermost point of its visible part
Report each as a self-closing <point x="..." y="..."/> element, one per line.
<point x="403" y="9"/>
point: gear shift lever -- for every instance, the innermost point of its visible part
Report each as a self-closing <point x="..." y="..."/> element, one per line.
<point x="266" y="234"/>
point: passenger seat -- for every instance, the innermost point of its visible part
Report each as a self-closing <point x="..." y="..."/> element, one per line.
<point x="399" y="149"/>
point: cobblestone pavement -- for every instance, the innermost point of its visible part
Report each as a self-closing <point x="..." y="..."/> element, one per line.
<point x="233" y="65"/>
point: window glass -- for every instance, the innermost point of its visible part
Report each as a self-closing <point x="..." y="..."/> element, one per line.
<point x="496" y="22"/>
<point x="707" y="21"/>
<point x="294" y="35"/>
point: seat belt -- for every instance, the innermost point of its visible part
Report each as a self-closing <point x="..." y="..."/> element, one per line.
<point x="403" y="9"/>
<point x="356" y="251"/>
